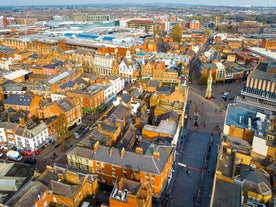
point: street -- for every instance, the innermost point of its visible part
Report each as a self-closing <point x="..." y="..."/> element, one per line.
<point x="196" y="154"/>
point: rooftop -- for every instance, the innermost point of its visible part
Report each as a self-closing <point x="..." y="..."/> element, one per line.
<point x="227" y="194"/>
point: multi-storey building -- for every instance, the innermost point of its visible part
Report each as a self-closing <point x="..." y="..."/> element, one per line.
<point x="260" y="89"/>
<point x="194" y="25"/>
<point x="32" y="137"/>
<point x="146" y="24"/>
<point x="149" y="163"/>
<point x="97" y="18"/>
<point x="103" y="64"/>
<point x="127" y="193"/>
<point x="23" y="102"/>
<point x="269" y="43"/>
<point x="127" y="68"/>
<point x="7" y="133"/>
<point x="91" y="98"/>
<point x="59" y="186"/>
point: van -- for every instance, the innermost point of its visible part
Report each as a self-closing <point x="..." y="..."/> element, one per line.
<point x="14" y="155"/>
<point x="85" y="204"/>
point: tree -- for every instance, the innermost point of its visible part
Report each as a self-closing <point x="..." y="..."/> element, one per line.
<point x="176" y="32"/>
<point x="207" y="32"/>
<point x="157" y="29"/>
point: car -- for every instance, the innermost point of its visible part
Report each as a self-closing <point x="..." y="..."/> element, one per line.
<point x="3" y="147"/>
<point x="30" y="161"/>
<point x="1" y="154"/>
<point x="225" y="95"/>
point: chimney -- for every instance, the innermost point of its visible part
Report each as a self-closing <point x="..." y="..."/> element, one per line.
<point x="252" y="167"/>
<point x="117" y="124"/>
<point x="137" y="120"/>
<point x="139" y="150"/>
<point x="123" y="151"/>
<point x="111" y="150"/>
<point x="156" y="154"/>
<point x="121" y="102"/>
<point x="90" y="136"/>
<point x="100" y="127"/>
<point x="96" y="146"/>
<point x="21" y="121"/>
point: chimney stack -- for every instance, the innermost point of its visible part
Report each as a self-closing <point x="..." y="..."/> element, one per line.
<point x="96" y="146"/>
<point x="156" y="154"/>
<point x="123" y="151"/>
<point x="100" y="127"/>
<point x="137" y="120"/>
<point x="111" y="150"/>
<point x="22" y="121"/>
<point x="139" y="150"/>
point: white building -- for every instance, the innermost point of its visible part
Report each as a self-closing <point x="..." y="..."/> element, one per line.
<point x="127" y="67"/>
<point x="32" y="138"/>
<point x="103" y="64"/>
<point x="5" y="63"/>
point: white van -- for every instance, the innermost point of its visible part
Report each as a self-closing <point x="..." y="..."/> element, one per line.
<point x="85" y="204"/>
<point x="14" y="155"/>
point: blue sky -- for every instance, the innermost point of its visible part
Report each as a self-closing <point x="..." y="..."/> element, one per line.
<point x="202" y="2"/>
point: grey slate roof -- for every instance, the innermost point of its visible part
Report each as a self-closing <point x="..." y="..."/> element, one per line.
<point x="63" y="189"/>
<point x="30" y="198"/>
<point x="68" y="84"/>
<point x="19" y="100"/>
<point x="264" y="71"/>
<point x="30" y="133"/>
<point x="227" y="194"/>
<point x="126" y="98"/>
<point x="65" y="105"/>
<point x="137" y="162"/>
<point x="170" y="115"/>
<point x="118" y="113"/>
<point x="46" y="177"/>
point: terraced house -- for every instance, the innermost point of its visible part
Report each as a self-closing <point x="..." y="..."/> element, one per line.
<point x="149" y="162"/>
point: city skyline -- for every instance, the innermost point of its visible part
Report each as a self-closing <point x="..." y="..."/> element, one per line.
<point x="192" y="2"/>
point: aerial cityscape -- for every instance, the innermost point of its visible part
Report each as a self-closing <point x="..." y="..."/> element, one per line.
<point x="137" y="104"/>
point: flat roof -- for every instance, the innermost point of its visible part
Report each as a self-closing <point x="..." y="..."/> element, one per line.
<point x="227" y="194"/>
<point x="165" y="127"/>
<point x="263" y="52"/>
<point x="16" y="74"/>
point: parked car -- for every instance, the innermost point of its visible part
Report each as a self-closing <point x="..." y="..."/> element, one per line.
<point x="30" y="161"/>
<point x="81" y="131"/>
<point x="3" y="147"/>
<point x="14" y="155"/>
<point x="1" y="154"/>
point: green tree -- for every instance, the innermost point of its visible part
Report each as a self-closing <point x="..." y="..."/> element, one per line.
<point x="207" y="32"/>
<point x="203" y="79"/>
<point x="157" y="29"/>
<point x="176" y="32"/>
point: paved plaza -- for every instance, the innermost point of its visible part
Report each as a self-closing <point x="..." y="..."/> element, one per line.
<point x="191" y="186"/>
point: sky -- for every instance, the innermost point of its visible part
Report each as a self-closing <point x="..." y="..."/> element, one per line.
<point x="270" y="3"/>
